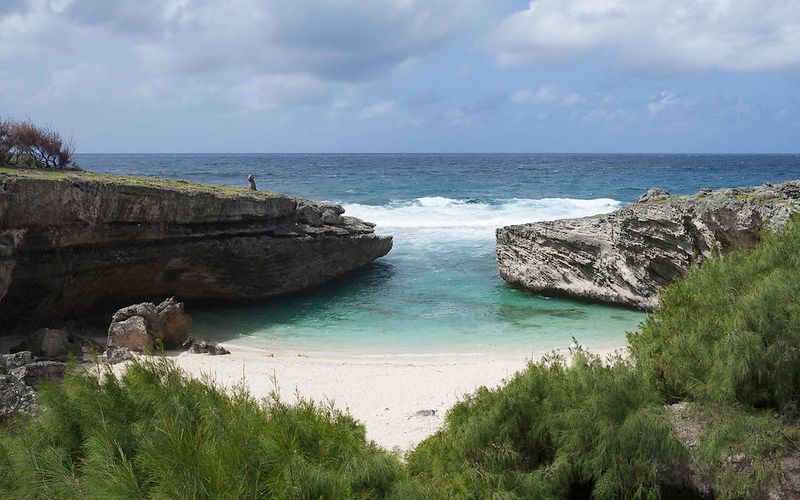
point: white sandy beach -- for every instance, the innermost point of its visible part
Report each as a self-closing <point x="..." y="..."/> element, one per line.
<point x="384" y="392"/>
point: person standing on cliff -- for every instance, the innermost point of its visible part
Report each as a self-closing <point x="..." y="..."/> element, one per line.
<point x="252" y="181"/>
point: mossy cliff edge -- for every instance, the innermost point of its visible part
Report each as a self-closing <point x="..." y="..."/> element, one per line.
<point x="69" y="240"/>
<point x="628" y="256"/>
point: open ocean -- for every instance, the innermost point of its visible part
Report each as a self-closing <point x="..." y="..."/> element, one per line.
<point x="438" y="291"/>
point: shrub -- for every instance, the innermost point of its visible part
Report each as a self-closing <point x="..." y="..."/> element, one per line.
<point x="154" y="433"/>
<point x="730" y="330"/>
<point x="554" y="429"/>
<point x="24" y="144"/>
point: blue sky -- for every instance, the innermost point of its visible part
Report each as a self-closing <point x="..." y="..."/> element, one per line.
<point x="406" y="75"/>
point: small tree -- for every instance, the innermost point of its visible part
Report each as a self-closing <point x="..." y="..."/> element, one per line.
<point x="25" y="144"/>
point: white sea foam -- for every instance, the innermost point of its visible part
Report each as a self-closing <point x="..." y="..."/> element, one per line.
<point x="471" y="219"/>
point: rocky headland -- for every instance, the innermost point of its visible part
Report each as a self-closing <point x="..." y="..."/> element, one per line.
<point x="70" y="241"/>
<point x="626" y="257"/>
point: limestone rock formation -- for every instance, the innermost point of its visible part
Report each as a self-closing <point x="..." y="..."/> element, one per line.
<point x="69" y="241"/>
<point x="146" y="326"/>
<point x="627" y="256"/>
<point x="18" y="372"/>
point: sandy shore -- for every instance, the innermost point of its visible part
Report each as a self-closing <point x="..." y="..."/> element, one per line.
<point x="392" y="395"/>
<point x="385" y="393"/>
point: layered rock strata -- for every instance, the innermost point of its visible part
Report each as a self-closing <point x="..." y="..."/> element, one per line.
<point x="71" y="240"/>
<point x="626" y="257"/>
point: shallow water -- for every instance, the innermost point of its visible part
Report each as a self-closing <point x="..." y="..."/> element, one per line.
<point x="438" y="291"/>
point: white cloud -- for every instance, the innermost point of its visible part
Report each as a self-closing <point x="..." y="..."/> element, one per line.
<point x="330" y="39"/>
<point x="548" y="94"/>
<point x="656" y="36"/>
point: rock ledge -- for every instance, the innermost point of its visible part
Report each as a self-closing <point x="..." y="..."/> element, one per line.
<point x="626" y="257"/>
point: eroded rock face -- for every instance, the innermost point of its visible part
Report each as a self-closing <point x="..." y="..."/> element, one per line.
<point x="146" y="326"/>
<point x="18" y="373"/>
<point x="626" y="257"/>
<point x="69" y="241"/>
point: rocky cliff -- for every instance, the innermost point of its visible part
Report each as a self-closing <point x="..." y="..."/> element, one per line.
<point x="71" y="240"/>
<point x="627" y="256"/>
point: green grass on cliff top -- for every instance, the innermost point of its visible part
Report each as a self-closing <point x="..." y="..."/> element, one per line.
<point x="134" y="181"/>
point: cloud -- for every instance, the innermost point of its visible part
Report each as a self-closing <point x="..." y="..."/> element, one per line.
<point x="656" y="37"/>
<point x="28" y="27"/>
<point x="329" y="39"/>
<point x="547" y="95"/>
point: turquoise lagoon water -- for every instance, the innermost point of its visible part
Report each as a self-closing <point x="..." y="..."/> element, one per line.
<point x="438" y="291"/>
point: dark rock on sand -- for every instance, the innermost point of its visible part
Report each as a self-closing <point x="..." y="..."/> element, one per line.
<point x="203" y="347"/>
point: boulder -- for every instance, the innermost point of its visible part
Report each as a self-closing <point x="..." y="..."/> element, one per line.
<point x="54" y="343"/>
<point x="176" y="322"/>
<point x="146" y="326"/>
<point x="131" y="333"/>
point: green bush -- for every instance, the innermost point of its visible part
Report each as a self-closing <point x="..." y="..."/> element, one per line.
<point x="554" y="429"/>
<point x="154" y="433"/>
<point x="730" y="330"/>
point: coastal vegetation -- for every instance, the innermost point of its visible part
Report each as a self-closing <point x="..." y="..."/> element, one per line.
<point x="719" y="360"/>
<point x="23" y="144"/>
<point x="154" y="433"/>
<point x="180" y="186"/>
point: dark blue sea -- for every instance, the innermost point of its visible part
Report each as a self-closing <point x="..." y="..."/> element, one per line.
<point x="438" y="291"/>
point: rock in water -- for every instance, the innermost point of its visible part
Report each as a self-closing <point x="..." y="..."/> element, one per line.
<point x="626" y="257"/>
<point x="144" y="326"/>
<point x="71" y="240"/>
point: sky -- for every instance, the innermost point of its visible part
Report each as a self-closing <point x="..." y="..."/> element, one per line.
<point x="686" y="76"/>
